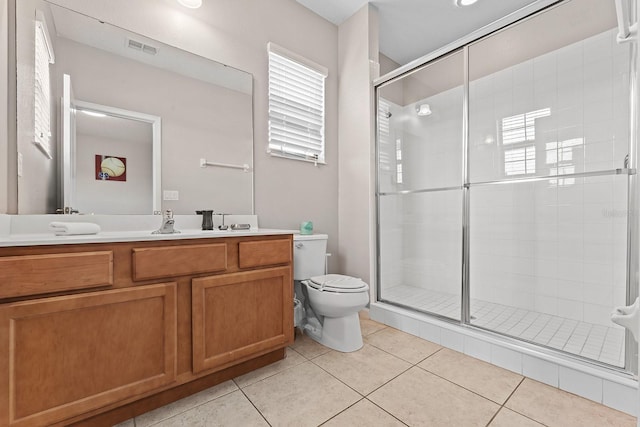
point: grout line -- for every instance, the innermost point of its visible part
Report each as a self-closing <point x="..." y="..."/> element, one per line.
<point x="510" y="396"/>
<point x="382" y="409"/>
<point x="256" y="408"/>
<point x="341" y="381"/>
<point x="413" y="336"/>
<point x="463" y="387"/>
<point x="505" y="402"/>
<point x="273" y="374"/>
<point x="494" y="416"/>
<point x="193" y="407"/>
<point x="432" y="354"/>
<point x="514" y="390"/>
<point x="344" y="410"/>
<point x="387" y="382"/>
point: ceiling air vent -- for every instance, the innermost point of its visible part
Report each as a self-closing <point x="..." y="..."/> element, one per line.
<point x="136" y="45"/>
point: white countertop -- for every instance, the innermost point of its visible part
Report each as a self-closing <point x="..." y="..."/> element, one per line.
<point x="33" y="230"/>
<point x="34" y="239"/>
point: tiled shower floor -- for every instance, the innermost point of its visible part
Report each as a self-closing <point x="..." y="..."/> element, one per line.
<point x="596" y="342"/>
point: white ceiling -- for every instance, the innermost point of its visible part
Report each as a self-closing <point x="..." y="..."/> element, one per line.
<point x="410" y="29"/>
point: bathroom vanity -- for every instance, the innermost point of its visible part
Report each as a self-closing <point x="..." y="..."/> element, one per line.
<point x="95" y="333"/>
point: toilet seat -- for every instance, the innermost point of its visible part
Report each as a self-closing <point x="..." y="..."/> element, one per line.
<point x="337" y="283"/>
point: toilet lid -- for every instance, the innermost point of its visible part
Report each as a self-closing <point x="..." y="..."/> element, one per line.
<point x="338" y="283"/>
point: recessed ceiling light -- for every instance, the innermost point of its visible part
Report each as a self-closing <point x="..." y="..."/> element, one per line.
<point x="465" y="2"/>
<point x="194" y="4"/>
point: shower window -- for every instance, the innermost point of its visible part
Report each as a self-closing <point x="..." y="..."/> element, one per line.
<point x="524" y="232"/>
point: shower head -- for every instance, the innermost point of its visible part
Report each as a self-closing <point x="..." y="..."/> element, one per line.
<point x="423" y="110"/>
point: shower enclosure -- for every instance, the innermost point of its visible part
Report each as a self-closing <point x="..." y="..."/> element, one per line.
<point x="506" y="181"/>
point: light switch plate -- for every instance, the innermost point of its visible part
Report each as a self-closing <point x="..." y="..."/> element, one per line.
<point x="19" y="164"/>
<point x="170" y="195"/>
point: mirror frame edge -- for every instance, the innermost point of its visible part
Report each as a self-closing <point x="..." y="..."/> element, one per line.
<point x="11" y="179"/>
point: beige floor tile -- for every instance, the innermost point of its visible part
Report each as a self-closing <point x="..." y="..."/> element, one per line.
<point x="233" y="409"/>
<point x="364" y="370"/>
<point x="554" y="407"/>
<point x="308" y="347"/>
<point x="128" y="423"/>
<point x="403" y="345"/>
<point x="292" y="359"/>
<point x="420" y="398"/>
<point x="368" y="327"/>
<point x="304" y="395"/>
<point x="363" y="414"/>
<point x="364" y="314"/>
<point x="508" y="418"/>
<point x="182" y="405"/>
<point x="481" y="377"/>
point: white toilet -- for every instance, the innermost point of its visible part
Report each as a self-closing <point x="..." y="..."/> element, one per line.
<point x="332" y="300"/>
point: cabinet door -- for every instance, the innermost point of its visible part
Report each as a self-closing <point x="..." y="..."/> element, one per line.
<point x="239" y="316"/>
<point x="64" y="356"/>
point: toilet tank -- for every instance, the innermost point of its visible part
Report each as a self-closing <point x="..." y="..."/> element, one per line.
<point x="309" y="254"/>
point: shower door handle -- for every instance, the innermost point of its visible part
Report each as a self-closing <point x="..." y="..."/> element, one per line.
<point x="627" y="316"/>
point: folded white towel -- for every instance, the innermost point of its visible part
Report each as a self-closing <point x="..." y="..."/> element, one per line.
<point x="73" y="228"/>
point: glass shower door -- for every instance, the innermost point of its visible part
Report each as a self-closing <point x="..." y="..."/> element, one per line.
<point x="548" y="137"/>
<point x="420" y="188"/>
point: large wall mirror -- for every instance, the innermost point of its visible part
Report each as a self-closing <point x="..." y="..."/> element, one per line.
<point x="112" y="122"/>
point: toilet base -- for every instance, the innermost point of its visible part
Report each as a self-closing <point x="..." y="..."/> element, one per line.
<point x="341" y="333"/>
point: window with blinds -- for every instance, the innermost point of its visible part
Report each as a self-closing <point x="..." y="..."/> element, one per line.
<point x="296" y="106"/>
<point x="42" y="99"/>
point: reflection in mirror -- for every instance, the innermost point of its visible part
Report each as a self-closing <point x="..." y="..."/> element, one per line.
<point x="205" y="108"/>
<point x="128" y="140"/>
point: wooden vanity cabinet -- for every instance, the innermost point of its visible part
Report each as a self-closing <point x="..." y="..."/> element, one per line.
<point x="152" y="333"/>
<point x="239" y="316"/>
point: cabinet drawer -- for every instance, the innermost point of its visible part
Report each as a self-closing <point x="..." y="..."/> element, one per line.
<point x="38" y="274"/>
<point x="170" y="261"/>
<point x="264" y="253"/>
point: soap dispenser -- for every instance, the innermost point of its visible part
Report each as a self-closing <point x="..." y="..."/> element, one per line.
<point x="207" y="219"/>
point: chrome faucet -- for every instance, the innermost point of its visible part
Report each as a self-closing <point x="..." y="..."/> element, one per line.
<point x="167" y="223"/>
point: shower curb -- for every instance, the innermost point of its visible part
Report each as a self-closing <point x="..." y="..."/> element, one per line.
<point x="613" y="388"/>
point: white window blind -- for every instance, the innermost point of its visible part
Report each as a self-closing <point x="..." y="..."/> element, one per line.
<point x="296" y="106"/>
<point x="42" y="100"/>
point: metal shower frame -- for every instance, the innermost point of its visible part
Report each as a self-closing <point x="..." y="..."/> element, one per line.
<point x="629" y="169"/>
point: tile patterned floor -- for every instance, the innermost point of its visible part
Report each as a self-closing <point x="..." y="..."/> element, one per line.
<point x="597" y="342"/>
<point x="396" y="379"/>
